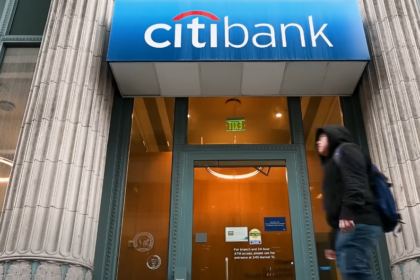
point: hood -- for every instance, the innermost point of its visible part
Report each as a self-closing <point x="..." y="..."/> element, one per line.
<point x="336" y="136"/>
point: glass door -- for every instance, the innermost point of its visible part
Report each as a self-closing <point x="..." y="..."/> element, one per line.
<point x="241" y="221"/>
<point x="241" y="212"/>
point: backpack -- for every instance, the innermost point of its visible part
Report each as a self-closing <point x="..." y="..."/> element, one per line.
<point x="386" y="203"/>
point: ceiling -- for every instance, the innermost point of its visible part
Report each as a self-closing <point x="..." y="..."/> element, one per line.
<point x="152" y="129"/>
<point x="193" y="79"/>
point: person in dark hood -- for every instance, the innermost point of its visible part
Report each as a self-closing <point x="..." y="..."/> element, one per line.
<point x="349" y="202"/>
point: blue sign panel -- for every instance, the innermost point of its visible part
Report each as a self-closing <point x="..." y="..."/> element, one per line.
<point x="275" y="224"/>
<point x="237" y="30"/>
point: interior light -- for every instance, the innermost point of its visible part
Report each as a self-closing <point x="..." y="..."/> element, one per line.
<point x="319" y="196"/>
<point x="232" y="177"/>
<point x="278" y="115"/>
<point x="7" y="162"/>
<point x="188" y="115"/>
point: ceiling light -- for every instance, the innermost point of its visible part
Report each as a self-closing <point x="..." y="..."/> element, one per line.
<point x="7" y="162"/>
<point x="232" y="177"/>
<point x="7" y="106"/>
<point x="278" y="115"/>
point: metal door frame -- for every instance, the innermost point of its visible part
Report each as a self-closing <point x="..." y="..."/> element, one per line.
<point x="182" y="201"/>
<point x="184" y="155"/>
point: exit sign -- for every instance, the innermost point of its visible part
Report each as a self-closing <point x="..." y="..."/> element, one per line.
<point x="235" y="125"/>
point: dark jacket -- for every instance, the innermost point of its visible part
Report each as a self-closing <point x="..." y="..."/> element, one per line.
<point x="347" y="191"/>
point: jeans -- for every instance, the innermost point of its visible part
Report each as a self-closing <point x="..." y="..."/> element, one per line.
<point x="354" y="250"/>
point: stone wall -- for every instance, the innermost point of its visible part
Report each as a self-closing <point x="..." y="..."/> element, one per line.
<point x="49" y="223"/>
<point x="390" y="98"/>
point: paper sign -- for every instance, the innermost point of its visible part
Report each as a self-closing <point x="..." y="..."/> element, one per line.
<point x="254" y="237"/>
<point x="236" y="234"/>
<point x="275" y="224"/>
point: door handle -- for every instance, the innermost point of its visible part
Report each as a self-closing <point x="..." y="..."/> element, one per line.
<point x="227" y="268"/>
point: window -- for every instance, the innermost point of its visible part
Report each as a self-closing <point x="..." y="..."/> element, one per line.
<point x="145" y="230"/>
<point x="16" y="73"/>
<point x="30" y="17"/>
<point x="242" y="120"/>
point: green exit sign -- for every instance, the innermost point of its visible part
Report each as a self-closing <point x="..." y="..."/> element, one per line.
<point x="235" y="125"/>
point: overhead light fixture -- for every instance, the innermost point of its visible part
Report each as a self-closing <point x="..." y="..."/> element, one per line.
<point x="7" y="106"/>
<point x="232" y="177"/>
<point x="278" y="115"/>
<point x="7" y="162"/>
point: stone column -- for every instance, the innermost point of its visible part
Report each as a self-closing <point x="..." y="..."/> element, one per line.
<point x="390" y="97"/>
<point x="49" y="221"/>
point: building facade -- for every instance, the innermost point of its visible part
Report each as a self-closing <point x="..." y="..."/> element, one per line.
<point x="120" y="168"/>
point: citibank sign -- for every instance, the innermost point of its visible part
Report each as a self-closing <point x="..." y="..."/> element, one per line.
<point x="235" y="30"/>
<point x="195" y="26"/>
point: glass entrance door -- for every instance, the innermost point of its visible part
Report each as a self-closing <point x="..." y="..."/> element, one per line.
<point x="241" y="221"/>
<point x="241" y="212"/>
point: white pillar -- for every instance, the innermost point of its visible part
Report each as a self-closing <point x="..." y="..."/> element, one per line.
<point x="53" y="198"/>
<point x="390" y="96"/>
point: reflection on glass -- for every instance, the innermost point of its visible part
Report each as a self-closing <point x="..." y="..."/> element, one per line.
<point x="241" y="227"/>
<point x="145" y="230"/>
<point x="16" y="73"/>
<point x="318" y="112"/>
<point x="240" y="120"/>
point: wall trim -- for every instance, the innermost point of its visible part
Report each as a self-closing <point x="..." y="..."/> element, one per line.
<point x="179" y="140"/>
<point x="7" y="17"/>
<point x="21" y="39"/>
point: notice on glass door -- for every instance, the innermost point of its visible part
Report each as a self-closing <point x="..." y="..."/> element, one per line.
<point x="236" y="234"/>
<point x="253" y="254"/>
<point x="275" y="224"/>
<point x="255" y="237"/>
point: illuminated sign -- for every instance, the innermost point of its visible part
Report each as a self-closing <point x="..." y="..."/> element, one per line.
<point x="235" y="125"/>
<point x="233" y="30"/>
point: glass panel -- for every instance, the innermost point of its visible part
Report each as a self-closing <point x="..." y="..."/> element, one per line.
<point x="319" y="112"/>
<point x="241" y="227"/>
<point x="16" y="75"/>
<point x="145" y="229"/>
<point x="245" y="120"/>
<point x="30" y="17"/>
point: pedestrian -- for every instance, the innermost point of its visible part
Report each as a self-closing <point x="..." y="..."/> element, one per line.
<point x="350" y="203"/>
